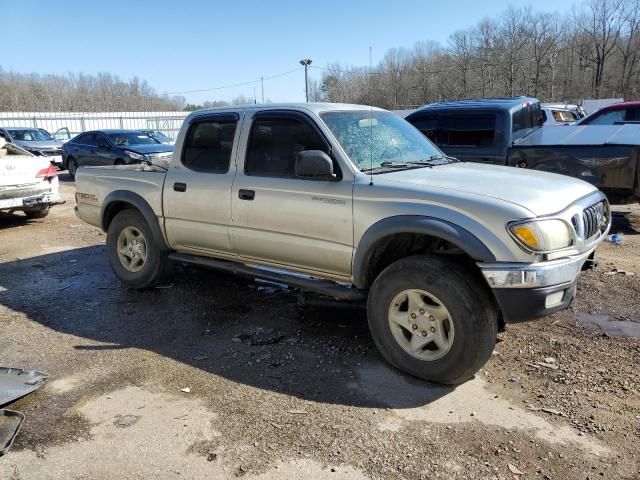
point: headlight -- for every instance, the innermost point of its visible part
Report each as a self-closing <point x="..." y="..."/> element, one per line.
<point x="543" y="235"/>
<point x="134" y="155"/>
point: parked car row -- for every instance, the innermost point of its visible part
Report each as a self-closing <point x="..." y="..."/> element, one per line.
<point x="100" y="147"/>
<point x="113" y="147"/>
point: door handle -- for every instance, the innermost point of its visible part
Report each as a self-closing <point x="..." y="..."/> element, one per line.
<point x="180" y="187"/>
<point x="246" y="194"/>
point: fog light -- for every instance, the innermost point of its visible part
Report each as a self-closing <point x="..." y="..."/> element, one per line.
<point x="554" y="299"/>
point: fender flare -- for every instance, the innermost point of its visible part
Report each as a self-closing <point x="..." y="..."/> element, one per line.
<point x="140" y="204"/>
<point x="431" y="226"/>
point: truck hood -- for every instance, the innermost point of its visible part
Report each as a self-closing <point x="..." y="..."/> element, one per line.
<point x="150" y="148"/>
<point x="541" y="193"/>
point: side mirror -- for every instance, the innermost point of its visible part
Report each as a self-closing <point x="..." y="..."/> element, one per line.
<point x="314" y="164"/>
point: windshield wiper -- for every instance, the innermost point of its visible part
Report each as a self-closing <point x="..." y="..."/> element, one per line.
<point x="390" y="166"/>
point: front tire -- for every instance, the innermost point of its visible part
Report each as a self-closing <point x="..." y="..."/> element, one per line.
<point x="432" y="319"/>
<point x="72" y="167"/>
<point x="133" y="253"/>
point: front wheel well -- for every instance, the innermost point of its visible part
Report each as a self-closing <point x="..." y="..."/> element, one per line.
<point x="394" y="247"/>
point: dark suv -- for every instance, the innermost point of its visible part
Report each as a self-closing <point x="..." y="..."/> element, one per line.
<point x="113" y="147"/>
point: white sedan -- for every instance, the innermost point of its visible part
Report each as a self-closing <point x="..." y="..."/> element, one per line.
<point x="27" y="183"/>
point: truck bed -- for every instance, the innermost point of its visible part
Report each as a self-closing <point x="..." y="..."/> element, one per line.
<point x="93" y="184"/>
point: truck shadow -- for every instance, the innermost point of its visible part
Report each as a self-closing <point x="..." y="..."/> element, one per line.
<point x="625" y="222"/>
<point x="248" y="332"/>
<point x="11" y="220"/>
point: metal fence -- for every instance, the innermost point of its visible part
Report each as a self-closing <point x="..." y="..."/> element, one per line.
<point x="168" y="123"/>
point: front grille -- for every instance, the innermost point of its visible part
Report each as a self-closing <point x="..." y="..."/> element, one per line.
<point x="594" y="219"/>
<point x="51" y="153"/>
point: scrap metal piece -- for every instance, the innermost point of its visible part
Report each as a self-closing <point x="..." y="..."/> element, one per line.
<point x="16" y="383"/>
<point x="10" y="423"/>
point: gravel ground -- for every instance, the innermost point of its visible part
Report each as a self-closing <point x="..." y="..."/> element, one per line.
<point x="212" y="376"/>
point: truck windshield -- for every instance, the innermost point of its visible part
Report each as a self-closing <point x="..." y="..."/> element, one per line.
<point x="29" y="135"/>
<point x="132" y="138"/>
<point x="379" y="139"/>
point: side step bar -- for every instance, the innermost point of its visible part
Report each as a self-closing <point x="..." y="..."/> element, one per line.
<point x="322" y="287"/>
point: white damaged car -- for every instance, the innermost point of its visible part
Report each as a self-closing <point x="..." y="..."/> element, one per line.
<point x="27" y="183"/>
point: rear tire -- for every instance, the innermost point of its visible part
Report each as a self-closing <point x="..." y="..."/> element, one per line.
<point x="35" y="214"/>
<point x="72" y="166"/>
<point x="133" y="253"/>
<point x="432" y="319"/>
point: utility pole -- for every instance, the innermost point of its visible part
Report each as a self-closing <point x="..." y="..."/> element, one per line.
<point x="262" y="85"/>
<point x="306" y="62"/>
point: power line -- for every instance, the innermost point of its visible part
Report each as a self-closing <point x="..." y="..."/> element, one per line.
<point x="242" y="84"/>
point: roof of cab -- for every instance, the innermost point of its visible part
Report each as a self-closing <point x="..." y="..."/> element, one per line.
<point x="311" y="106"/>
<point x="498" y="103"/>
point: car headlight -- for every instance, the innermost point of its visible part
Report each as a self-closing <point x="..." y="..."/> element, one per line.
<point x="543" y="235"/>
<point x="134" y="155"/>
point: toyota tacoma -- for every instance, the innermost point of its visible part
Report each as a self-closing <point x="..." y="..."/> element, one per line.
<point x="354" y="203"/>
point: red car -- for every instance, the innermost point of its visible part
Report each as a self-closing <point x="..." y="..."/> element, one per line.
<point x="617" y="113"/>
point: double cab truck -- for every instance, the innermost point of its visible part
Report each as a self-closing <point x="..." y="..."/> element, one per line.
<point x="508" y="131"/>
<point x="354" y="203"/>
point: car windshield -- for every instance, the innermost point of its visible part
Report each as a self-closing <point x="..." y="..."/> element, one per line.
<point x="131" y="138"/>
<point x="29" y="135"/>
<point x="375" y="139"/>
<point x="158" y="135"/>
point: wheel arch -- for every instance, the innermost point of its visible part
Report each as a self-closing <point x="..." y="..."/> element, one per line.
<point x="404" y="230"/>
<point x="120" y="200"/>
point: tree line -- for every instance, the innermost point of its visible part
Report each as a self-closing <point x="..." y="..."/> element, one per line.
<point x="591" y="52"/>
<point x="103" y="92"/>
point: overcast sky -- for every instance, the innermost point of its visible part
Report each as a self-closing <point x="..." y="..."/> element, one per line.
<point x="185" y="45"/>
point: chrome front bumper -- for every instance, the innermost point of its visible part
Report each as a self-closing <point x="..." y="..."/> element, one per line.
<point x="534" y="275"/>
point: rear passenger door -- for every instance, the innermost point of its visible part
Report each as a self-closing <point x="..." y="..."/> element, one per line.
<point x="83" y="148"/>
<point x="280" y="219"/>
<point x="197" y="190"/>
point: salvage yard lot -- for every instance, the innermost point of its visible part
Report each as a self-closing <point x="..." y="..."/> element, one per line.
<point x="212" y="376"/>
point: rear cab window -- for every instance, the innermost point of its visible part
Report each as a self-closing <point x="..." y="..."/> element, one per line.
<point x="526" y="119"/>
<point x="209" y="144"/>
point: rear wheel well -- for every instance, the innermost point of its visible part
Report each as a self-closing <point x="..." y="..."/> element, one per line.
<point x="112" y="210"/>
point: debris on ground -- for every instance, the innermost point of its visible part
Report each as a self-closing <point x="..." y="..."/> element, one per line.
<point x="16" y="383"/>
<point x="616" y="239"/>
<point x="10" y="423"/>
<point x="515" y="470"/>
<point x="185" y="390"/>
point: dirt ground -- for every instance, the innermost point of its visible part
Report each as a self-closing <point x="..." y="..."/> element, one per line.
<point x="212" y="376"/>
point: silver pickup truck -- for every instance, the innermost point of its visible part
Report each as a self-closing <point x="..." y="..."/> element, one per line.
<point x="354" y="203"/>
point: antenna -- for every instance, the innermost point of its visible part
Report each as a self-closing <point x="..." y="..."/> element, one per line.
<point x="370" y="120"/>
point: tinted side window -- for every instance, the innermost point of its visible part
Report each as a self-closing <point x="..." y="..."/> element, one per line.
<point x="101" y="141"/>
<point x="609" y="118"/>
<point x="86" y="139"/>
<point x="274" y="144"/>
<point x="208" y="146"/>
<point x="433" y="127"/>
<point x="472" y="130"/>
<point x="458" y="130"/>
<point x="633" y="115"/>
<point x="529" y="116"/>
